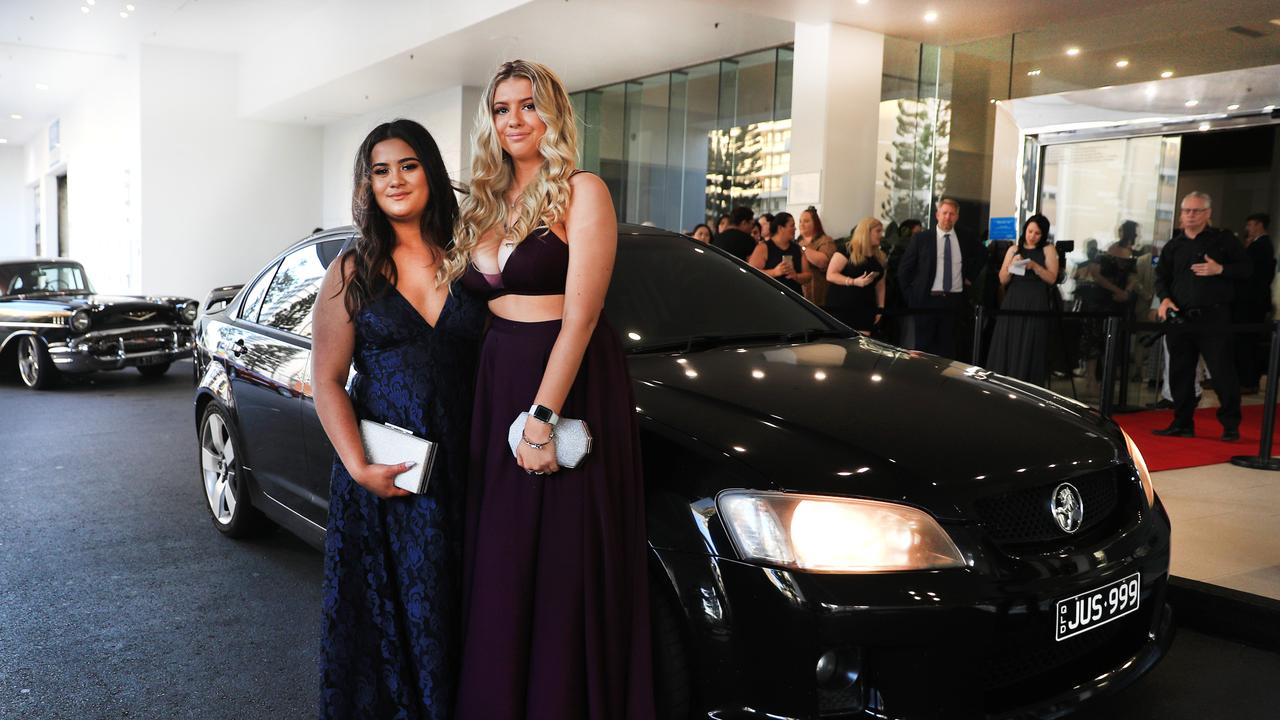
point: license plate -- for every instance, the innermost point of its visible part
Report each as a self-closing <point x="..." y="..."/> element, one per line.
<point x="1095" y="608"/>
<point x="149" y="360"/>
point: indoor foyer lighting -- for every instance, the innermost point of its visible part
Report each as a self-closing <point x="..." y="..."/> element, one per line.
<point x="863" y="2"/>
<point x="123" y="15"/>
<point x="3" y="141"/>
<point x="84" y="9"/>
<point x="1122" y="63"/>
<point x="1191" y="103"/>
<point x="931" y="16"/>
<point x="129" y="8"/>
<point x="15" y="116"/>
<point x="1166" y="74"/>
<point x="1073" y="51"/>
<point x="41" y="86"/>
<point x="1233" y="106"/>
<point x="1204" y="126"/>
<point x="1033" y="73"/>
<point x="91" y="2"/>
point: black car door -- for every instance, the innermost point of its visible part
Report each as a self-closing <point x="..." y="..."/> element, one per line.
<point x="273" y="352"/>
<point x="319" y="451"/>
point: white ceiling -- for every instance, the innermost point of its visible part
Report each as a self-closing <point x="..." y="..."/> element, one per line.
<point x="318" y="59"/>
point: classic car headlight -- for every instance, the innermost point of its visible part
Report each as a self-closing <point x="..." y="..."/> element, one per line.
<point x="80" y="320"/>
<point x="1140" y="464"/>
<point x="190" y="311"/>
<point x="825" y="534"/>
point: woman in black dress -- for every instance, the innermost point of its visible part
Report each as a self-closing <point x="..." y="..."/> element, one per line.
<point x="1020" y="344"/>
<point x="780" y="256"/>
<point x="392" y="560"/>
<point x="556" y="619"/>
<point x="857" y="284"/>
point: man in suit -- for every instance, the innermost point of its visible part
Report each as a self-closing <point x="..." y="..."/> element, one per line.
<point x="736" y="239"/>
<point x="934" y="272"/>
<point x="1252" y="301"/>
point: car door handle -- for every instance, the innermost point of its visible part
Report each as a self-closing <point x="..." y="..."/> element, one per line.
<point x="238" y="348"/>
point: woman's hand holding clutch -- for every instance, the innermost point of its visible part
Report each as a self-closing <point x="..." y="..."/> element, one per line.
<point x="381" y="479"/>
<point x="537" y="460"/>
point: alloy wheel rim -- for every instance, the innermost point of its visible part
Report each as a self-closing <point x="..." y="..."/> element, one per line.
<point x="217" y="465"/>
<point x="28" y="362"/>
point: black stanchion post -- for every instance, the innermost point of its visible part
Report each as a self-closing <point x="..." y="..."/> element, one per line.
<point x="1108" y="366"/>
<point x="977" y="334"/>
<point x="1122" y="342"/>
<point x="1263" y="460"/>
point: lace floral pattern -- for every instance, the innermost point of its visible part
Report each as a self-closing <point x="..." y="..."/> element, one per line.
<point x="389" y="645"/>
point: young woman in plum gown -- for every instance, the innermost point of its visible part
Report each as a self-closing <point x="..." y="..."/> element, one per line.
<point x="556" y="622"/>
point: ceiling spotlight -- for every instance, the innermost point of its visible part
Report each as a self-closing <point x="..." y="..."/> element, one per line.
<point x="129" y="8"/>
<point x="123" y="14"/>
<point x="1233" y="106"/>
<point x="1191" y="103"/>
<point x="41" y="86"/>
<point x="91" y="2"/>
<point x="931" y="16"/>
<point x="84" y="9"/>
<point x="863" y="2"/>
<point x="1122" y="63"/>
<point x="1033" y="73"/>
<point x="1204" y="126"/>
<point x="1073" y="51"/>
<point x="3" y="141"/>
<point x="15" y="116"/>
<point x="1166" y="74"/>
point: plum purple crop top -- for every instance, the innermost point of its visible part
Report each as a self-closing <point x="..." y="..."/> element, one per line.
<point x="538" y="265"/>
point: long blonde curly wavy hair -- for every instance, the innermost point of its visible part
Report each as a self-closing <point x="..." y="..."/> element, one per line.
<point x="546" y="198"/>
<point x="860" y="247"/>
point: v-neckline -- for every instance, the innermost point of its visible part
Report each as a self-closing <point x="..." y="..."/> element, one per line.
<point x="439" y="316"/>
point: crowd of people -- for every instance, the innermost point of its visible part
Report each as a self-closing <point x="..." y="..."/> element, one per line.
<point x="915" y="286"/>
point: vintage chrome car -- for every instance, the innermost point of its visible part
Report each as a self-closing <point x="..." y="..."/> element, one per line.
<point x="53" y="323"/>
<point x="837" y="528"/>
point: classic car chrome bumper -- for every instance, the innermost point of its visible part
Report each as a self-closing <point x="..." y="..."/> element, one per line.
<point x="121" y="348"/>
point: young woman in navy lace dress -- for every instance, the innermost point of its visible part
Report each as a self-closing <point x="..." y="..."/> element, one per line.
<point x="556" y="594"/>
<point x="392" y="559"/>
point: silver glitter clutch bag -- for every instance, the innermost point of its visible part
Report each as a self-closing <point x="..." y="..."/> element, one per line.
<point x="573" y="440"/>
<point x="386" y="444"/>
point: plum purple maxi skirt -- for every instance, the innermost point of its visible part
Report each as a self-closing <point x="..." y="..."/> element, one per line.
<point x="555" y="594"/>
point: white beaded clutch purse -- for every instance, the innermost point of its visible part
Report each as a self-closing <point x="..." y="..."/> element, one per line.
<point x="386" y="444"/>
<point x="573" y="440"/>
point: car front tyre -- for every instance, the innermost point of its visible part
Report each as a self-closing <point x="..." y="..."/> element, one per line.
<point x="222" y="477"/>
<point x="153" y="371"/>
<point x="35" y="367"/>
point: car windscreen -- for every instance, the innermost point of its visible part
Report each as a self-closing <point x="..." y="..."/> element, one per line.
<point x="669" y="290"/>
<point x="43" y="278"/>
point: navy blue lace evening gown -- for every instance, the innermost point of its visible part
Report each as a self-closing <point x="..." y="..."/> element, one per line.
<point x="392" y="567"/>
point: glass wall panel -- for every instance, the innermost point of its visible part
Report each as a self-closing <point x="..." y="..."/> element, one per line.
<point x="647" y="105"/>
<point x="702" y="103"/>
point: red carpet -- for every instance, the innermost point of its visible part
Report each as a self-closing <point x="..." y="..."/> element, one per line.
<point x="1166" y="453"/>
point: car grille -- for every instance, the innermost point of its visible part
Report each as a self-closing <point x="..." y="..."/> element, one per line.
<point x="118" y="318"/>
<point x="137" y="341"/>
<point x="1017" y="661"/>
<point x="1022" y="517"/>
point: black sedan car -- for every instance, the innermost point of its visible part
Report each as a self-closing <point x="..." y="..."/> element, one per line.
<point x="53" y="323"/>
<point x="838" y="528"/>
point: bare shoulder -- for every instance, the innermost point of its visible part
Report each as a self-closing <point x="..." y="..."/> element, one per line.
<point x="587" y="184"/>
<point x="1050" y="251"/>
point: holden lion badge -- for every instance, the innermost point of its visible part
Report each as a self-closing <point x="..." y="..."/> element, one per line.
<point x="1068" y="508"/>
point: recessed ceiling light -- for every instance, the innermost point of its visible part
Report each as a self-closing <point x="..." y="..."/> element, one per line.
<point x="3" y="141"/>
<point x="123" y="14"/>
<point x="41" y="86"/>
<point x="1233" y="106"/>
<point x="1106" y="87"/>
<point x="129" y="8"/>
<point x="84" y="9"/>
<point x="15" y="116"/>
<point x="1033" y="73"/>
<point x="1073" y="51"/>
<point x="1122" y="63"/>
<point x="1191" y="103"/>
<point x="863" y="2"/>
<point x="931" y="16"/>
<point x="1204" y="126"/>
<point x="91" y="2"/>
<point x="1166" y="74"/>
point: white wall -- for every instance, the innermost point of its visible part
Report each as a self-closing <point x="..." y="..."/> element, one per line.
<point x="447" y="115"/>
<point x="99" y="152"/>
<point x="222" y="194"/>
<point x="13" y="241"/>
<point x="835" y="101"/>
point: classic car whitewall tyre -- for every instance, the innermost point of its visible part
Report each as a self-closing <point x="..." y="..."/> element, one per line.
<point x="222" y="477"/>
<point x="35" y="367"/>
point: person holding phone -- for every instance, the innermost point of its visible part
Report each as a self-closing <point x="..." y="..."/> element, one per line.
<point x="1029" y="272"/>
<point x="856" y="281"/>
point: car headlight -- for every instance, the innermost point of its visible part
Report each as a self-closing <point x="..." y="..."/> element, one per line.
<point x="80" y="320"/>
<point x="1140" y="464"/>
<point x="825" y="534"/>
<point x="190" y="311"/>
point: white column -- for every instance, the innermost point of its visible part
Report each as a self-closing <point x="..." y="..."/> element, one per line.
<point x="1006" y="168"/>
<point x="835" y="105"/>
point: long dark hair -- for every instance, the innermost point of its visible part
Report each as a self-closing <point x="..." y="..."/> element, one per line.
<point x="1128" y="233"/>
<point x="373" y="267"/>
<point x="819" y="231"/>
<point x="1041" y="222"/>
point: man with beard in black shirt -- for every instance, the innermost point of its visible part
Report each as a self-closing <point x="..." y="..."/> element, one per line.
<point x="1194" y="279"/>
<point x="736" y="239"/>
